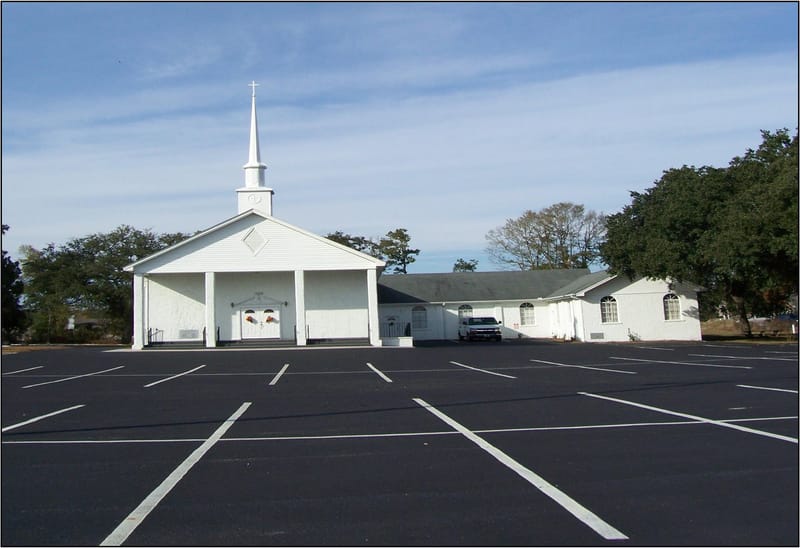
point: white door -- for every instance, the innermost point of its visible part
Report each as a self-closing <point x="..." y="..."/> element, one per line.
<point x="263" y="323"/>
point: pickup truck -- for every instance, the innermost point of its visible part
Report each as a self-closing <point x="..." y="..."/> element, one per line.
<point x="479" y="328"/>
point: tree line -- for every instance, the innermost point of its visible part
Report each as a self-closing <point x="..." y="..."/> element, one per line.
<point x="732" y="230"/>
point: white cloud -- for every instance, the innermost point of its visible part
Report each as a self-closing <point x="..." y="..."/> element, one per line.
<point x="448" y="165"/>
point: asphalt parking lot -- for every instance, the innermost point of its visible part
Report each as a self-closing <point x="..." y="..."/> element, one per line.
<point x="450" y="444"/>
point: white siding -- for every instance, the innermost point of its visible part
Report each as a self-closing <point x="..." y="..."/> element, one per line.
<point x="238" y="291"/>
<point x="337" y="305"/>
<point x="255" y="244"/>
<point x="443" y="319"/>
<point x="175" y="309"/>
<point x="641" y="312"/>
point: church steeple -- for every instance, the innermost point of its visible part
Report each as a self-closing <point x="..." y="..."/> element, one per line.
<point x="255" y="194"/>
<point x="254" y="169"/>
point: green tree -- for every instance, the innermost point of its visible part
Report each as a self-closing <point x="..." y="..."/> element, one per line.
<point x="563" y="235"/>
<point x="462" y="265"/>
<point x="85" y="275"/>
<point x="13" y="315"/>
<point x="359" y="243"/>
<point x="395" y="248"/>
<point x="732" y="230"/>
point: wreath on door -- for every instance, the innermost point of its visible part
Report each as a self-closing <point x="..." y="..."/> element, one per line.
<point x="269" y="319"/>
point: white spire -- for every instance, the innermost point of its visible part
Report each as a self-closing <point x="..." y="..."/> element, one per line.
<point x="254" y="195"/>
<point x="254" y="170"/>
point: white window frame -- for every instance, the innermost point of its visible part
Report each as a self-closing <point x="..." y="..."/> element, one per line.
<point x="609" y="310"/>
<point x="527" y="314"/>
<point x="419" y="317"/>
<point x="464" y="312"/>
<point x="672" y="307"/>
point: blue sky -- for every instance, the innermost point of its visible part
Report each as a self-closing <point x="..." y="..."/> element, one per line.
<point x="442" y="118"/>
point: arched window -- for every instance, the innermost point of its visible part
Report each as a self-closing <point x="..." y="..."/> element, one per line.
<point x="672" y="307"/>
<point x="608" y="310"/>
<point x="419" y="317"/>
<point x="464" y="312"/>
<point x="526" y="315"/>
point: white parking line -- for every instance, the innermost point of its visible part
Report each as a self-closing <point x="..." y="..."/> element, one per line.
<point x="23" y="370"/>
<point x="274" y="381"/>
<point x="568" y="503"/>
<point x="694" y="417"/>
<point x="682" y="363"/>
<point x="767" y="388"/>
<point x="36" y="419"/>
<point x="135" y="518"/>
<point x="391" y="434"/>
<point x="483" y="370"/>
<point x="174" y="376"/>
<point x="744" y="357"/>
<point x="384" y="377"/>
<point x="586" y="367"/>
<point x="75" y="377"/>
<point x="655" y="348"/>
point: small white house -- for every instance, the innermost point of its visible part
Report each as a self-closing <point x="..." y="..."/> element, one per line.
<point x="254" y="279"/>
<point x="563" y="304"/>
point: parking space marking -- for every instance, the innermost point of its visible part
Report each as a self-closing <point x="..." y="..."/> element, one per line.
<point x="767" y="388"/>
<point x="135" y="518"/>
<point x="586" y="367"/>
<point x="174" y="377"/>
<point x="23" y="370"/>
<point x="655" y="348"/>
<point x="275" y="379"/>
<point x="75" y="377"/>
<point x="483" y="370"/>
<point x="381" y="375"/>
<point x="392" y="434"/>
<point x="37" y="419"/>
<point x="681" y="363"/>
<point x="585" y="515"/>
<point x="693" y="417"/>
<point x="745" y="357"/>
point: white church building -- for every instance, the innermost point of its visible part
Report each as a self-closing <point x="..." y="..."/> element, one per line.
<point x="255" y="279"/>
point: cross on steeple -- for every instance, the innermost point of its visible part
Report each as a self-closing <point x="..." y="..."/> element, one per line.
<point x="253" y="85"/>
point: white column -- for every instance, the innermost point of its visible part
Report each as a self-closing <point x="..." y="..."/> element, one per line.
<point x="139" y="335"/>
<point x="211" y="316"/>
<point x="300" y="306"/>
<point x="372" y="304"/>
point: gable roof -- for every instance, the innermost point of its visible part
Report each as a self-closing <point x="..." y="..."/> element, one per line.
<point x="315" y="248"/>
<point x="474" y="286"/>
<point x="582" y="285"/>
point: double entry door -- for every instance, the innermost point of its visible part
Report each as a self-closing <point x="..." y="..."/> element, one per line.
<point x="261" y="323"/>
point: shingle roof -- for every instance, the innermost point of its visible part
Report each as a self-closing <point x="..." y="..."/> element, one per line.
<point x="475" y="286"/>
<point x="581" y="284"/>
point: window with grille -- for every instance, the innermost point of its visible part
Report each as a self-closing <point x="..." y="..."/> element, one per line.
<point x="464" y="312"/>
<point x="419" y="317"/>
<point x="608" y="310"/>
<point x="672" y="307"/>
<point x="526" y="314"/>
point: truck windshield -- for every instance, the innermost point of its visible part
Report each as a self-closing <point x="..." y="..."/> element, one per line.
<point x="482" y="321"/>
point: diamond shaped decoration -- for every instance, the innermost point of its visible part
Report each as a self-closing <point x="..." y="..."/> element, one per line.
<point x="254" y="240"/>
